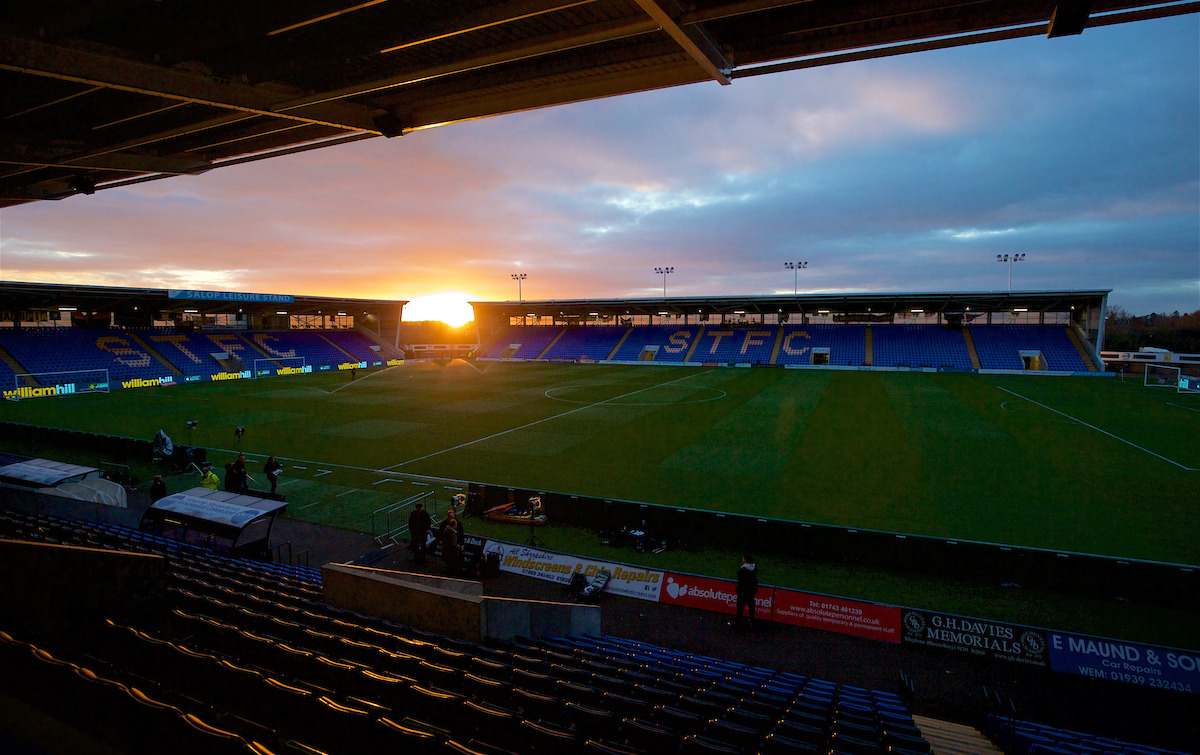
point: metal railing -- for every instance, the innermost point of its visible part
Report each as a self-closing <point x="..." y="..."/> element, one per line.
<point x="387" y="515"/>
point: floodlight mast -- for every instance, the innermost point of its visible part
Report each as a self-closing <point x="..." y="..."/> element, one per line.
<point x="664" y="272"/>
<point x="518" y="277"/>
<point x="1010" y="259"/>
<point x="797" y="267"/>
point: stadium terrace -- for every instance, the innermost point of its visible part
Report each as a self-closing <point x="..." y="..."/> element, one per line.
<point x="1031" y="331"/>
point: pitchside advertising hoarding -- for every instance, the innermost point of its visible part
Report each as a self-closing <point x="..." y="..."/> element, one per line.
<point x="1144" y="665"/>
<point x="630" y="581"/>
<point x="977" y="637"/>
<point x="870" y="620"/>
<point x="705" y="593"/>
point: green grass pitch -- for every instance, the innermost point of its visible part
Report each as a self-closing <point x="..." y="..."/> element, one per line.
<point x="1082" y="464"/>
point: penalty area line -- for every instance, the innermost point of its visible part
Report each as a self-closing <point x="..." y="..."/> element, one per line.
<point x="544" y="419"/>
<point x="1097" y="429"/>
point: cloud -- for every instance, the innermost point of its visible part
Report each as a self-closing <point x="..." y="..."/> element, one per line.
<point x="908" y="173"/>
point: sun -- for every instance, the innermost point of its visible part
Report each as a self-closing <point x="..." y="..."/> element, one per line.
<point x="450" y="307"/>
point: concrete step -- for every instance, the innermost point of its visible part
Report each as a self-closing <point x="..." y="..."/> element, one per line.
<point x="949" y="738"/>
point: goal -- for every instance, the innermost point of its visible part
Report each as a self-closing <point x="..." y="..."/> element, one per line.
<point x="1168" y="376"/>
<point x="46" y="384"/>
<point x="279" y="366"/>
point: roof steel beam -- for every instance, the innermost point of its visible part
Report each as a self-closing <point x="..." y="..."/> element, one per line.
<point x="693" y="38"/>
<point x="118" y="161"/>
<point x="66" y="64"/>
<point x="605" y="31"/>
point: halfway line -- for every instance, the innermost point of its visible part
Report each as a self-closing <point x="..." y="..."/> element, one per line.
<point x="544" y="419"/>
<point x="1106" y="432"/>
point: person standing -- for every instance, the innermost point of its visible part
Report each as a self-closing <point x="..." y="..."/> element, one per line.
<point x="747" y="588"/>
<point x="418" y="531"/>
<point x="208" y="478"/>
<point x="450" y="546"/>
<point x="239" y="468"/>
<point x="272" y="469"/>
<point x="233" y="480"/>
<point x="158" y="488"/>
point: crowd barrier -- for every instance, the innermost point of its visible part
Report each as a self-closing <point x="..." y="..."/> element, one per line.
<point x="1153" y="666"/>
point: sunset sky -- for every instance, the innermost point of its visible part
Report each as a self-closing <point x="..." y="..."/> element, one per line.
<point x="904" y="174"/>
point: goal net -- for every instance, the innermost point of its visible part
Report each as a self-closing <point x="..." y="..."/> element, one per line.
<point x="279" y="366"/>
<point x="46" y="384"/>
<point x="1162" y="376"/>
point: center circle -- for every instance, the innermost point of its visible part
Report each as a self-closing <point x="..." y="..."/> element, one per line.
<point x="713" y="394"/>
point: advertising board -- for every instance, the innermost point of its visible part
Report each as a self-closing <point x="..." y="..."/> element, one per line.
<point x="630" y="581"/>
<point x="710" y="594"/>
<point x="869" y="620"/>
<point x="1114" y="660"/>
<point x="977" y="637"/>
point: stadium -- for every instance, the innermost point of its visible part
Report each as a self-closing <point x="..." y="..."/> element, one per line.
<point x="972" y="524"/>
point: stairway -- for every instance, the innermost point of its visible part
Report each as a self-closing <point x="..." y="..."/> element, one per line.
<point x="620" y="343"/>
<point x="545" y="351"/>
<point x="17" y="369"/>
<point x="869" y="351"/>
<point x="947" y="738"/>
<point x="151" y="351"/>
<point x="1083" y="353"/>
<point x="778" y="345"/>
<point x="692" y="349"/>
<point x="971" y="352"/>
<point x="349" y="356"/>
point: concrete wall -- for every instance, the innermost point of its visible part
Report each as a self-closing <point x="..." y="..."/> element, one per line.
<point x="393" y="596"/>
<point x="453" y="607"/>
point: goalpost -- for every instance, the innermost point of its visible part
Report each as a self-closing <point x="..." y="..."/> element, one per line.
<point x="44" y="384"/>
<point x="278" y="365"/>
<point x="1169" y="376"/>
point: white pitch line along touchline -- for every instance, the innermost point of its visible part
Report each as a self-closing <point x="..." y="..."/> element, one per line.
<point x="1106" y="432"/>
<point x="544" y="419"/>
<point x="1181" y="406"/>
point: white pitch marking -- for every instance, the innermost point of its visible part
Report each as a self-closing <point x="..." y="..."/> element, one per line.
<point x="1106" y="432"/>
<point x="390" y="479"/>
<point x="348" y="492"/>
<point x="309" y="506"/>
<point x="322" y="472"/>
<point x="289" y="482"/>
<point x="364" y="377"/>
<point x="1181" y="406"/>
<point x="296" y="467"/>
<point x="544" y="419"/>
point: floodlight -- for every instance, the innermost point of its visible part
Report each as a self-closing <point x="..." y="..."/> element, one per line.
<point x="239" y="431"/>
<point x="280" y="312"/>
<point x="66" y="309"/>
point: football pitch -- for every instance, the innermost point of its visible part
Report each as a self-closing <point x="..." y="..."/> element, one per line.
<point x="1081" y="464"/>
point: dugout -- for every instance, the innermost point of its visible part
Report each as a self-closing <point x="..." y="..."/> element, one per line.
<point x="237" y="523"/>
<point x="44" y="473"/>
